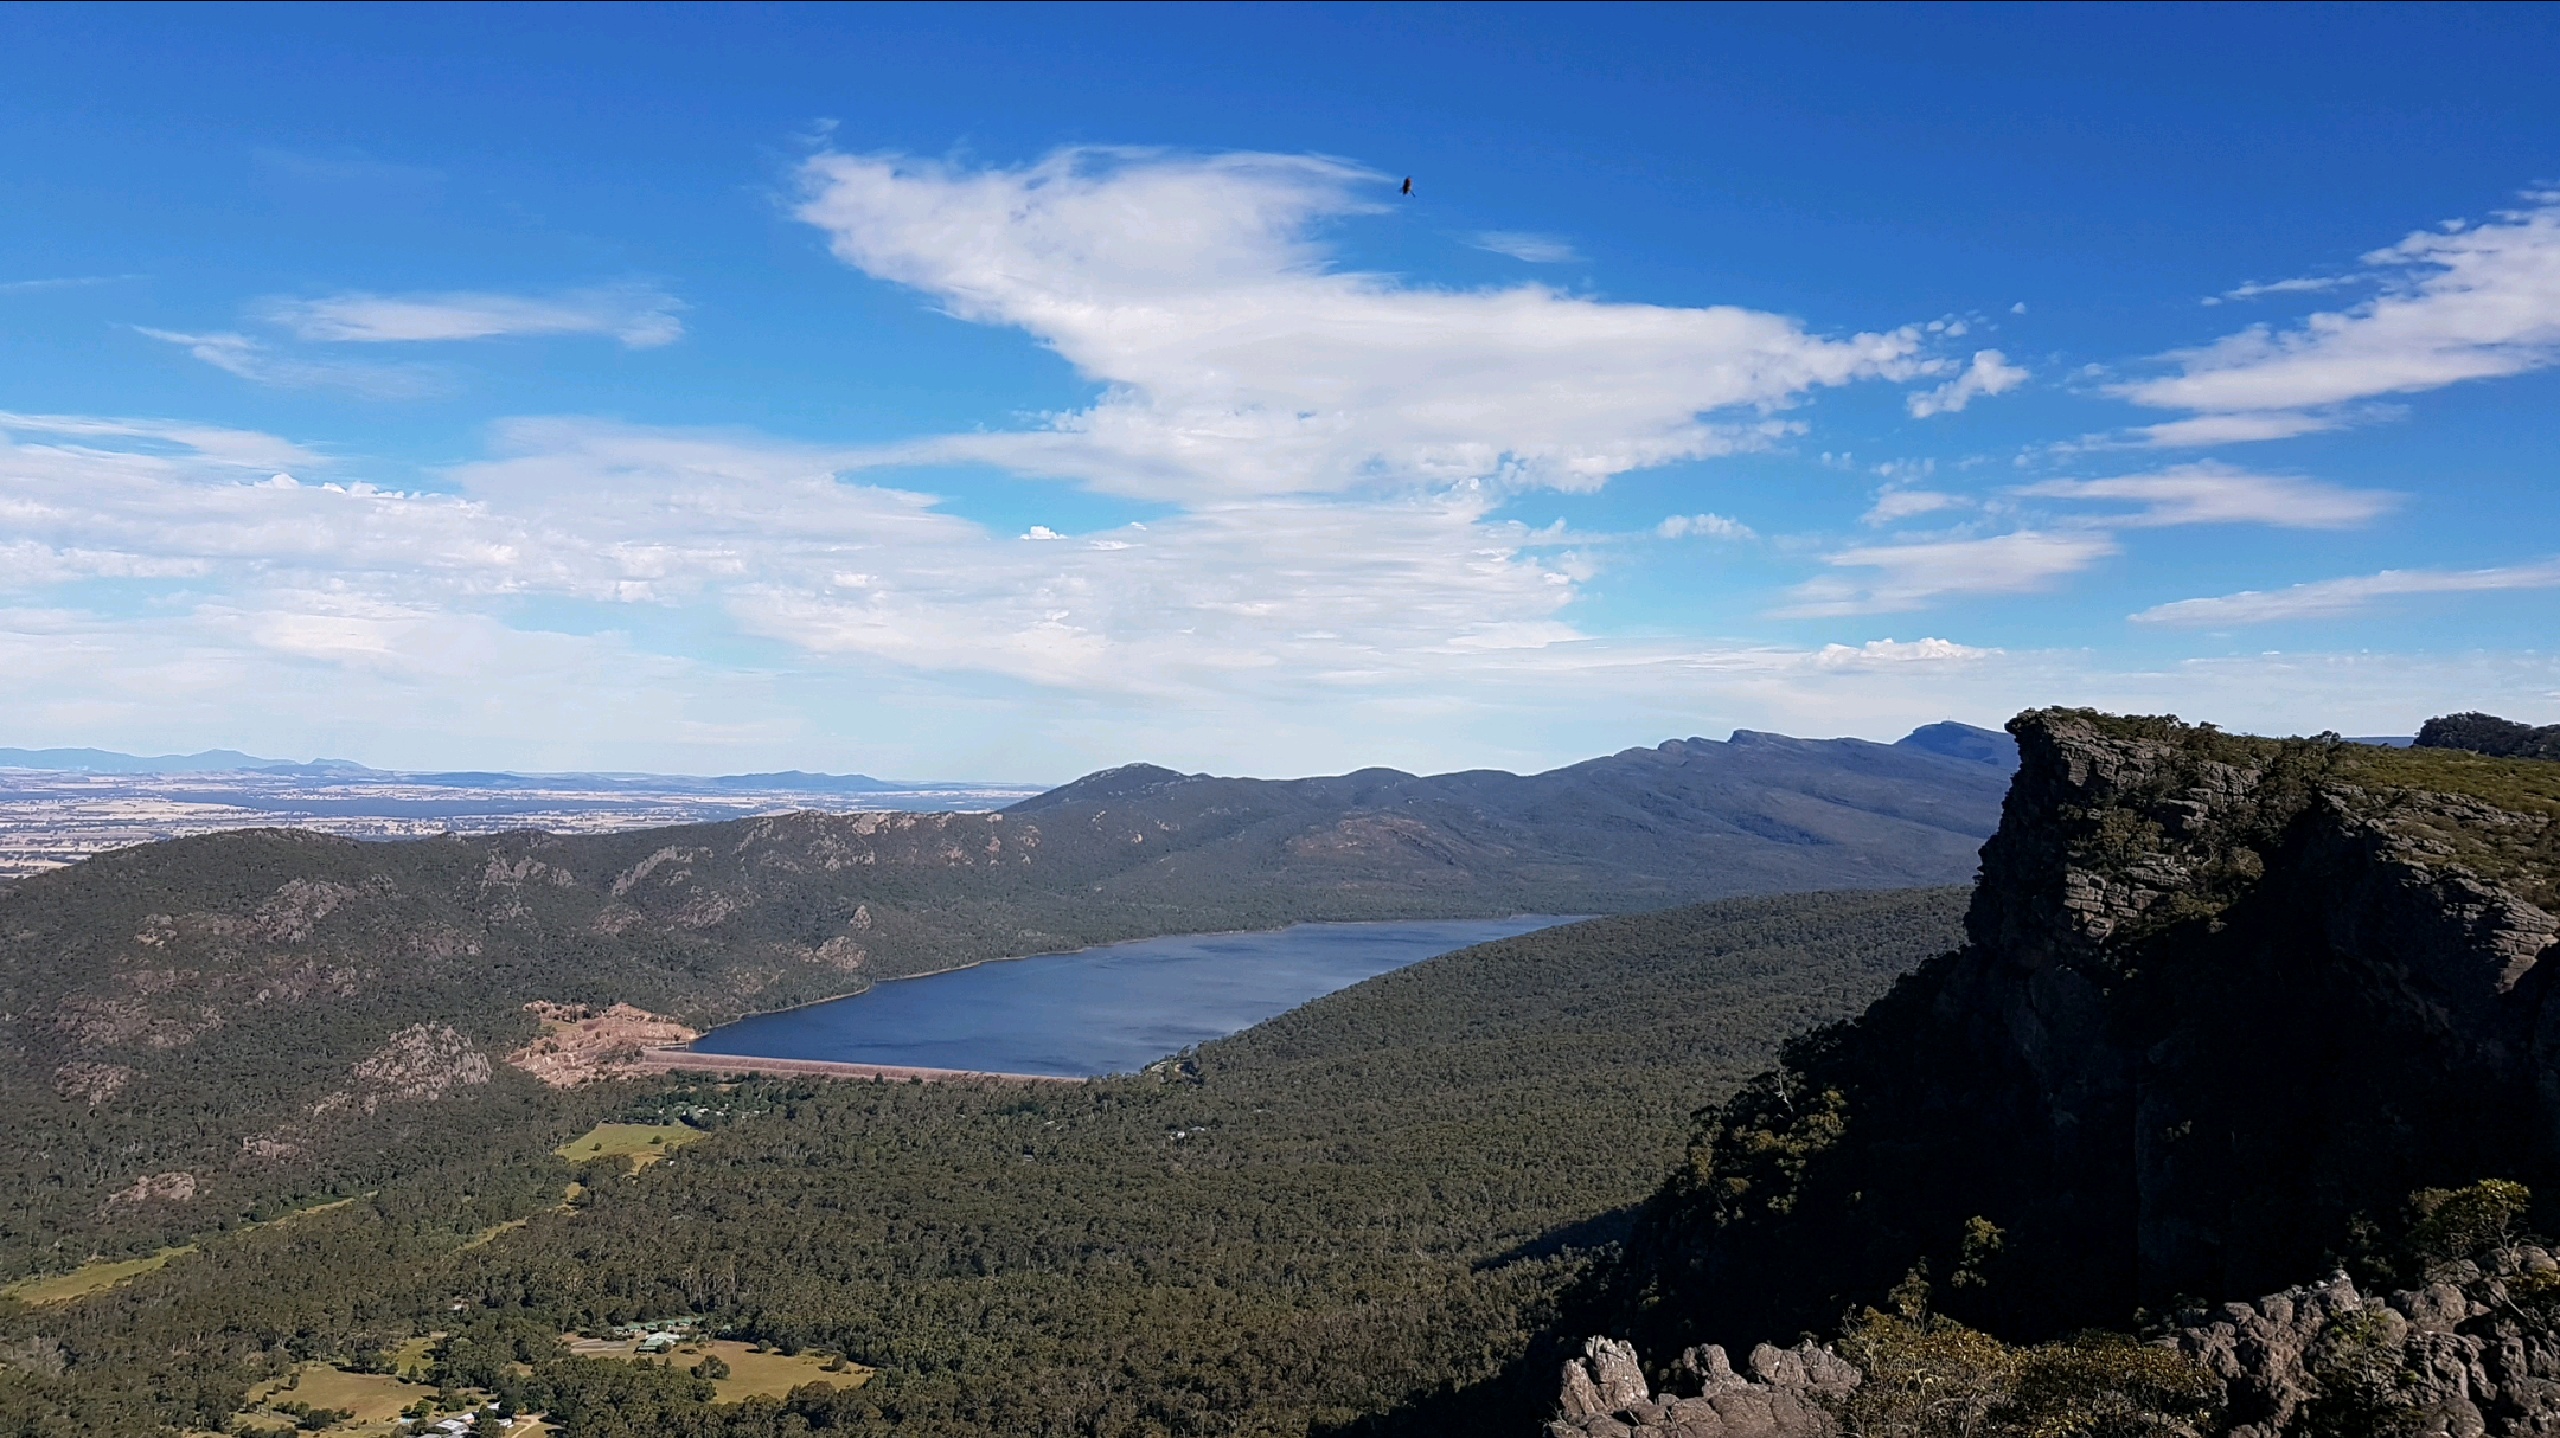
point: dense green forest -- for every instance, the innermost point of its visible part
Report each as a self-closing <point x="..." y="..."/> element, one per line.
<point x="1356" y="1214"/>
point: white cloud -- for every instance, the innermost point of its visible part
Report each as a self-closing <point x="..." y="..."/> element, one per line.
<point x="252" y="360"/>
<point x="1895" y="505"/>
<point x="1909" y="576"/>
<point x="2212" y="493"/>
<point x="1891" y="651"/>
<point x="1274" y="592"/>
<point x="1521" y="245"/>
<point x="1237" y="361"/>
<point x="2211" y="429"/>
<point x="204" y="443"/>
<point x="1989" y="374"/>
<point x="67" y="282"/>
<point x="838" y="624"/>
<point x="640" y="316"/>
<point x="2253" y="289"/>
<point x="1711" y="526"/>
<point x="2330" y="598"/>
<point x="2480" y="302"/>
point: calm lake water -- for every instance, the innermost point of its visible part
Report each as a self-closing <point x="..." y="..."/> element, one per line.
<point x="1114" y="1009"/>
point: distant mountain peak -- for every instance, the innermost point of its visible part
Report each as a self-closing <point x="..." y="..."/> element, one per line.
<point x="1126" y="781"/>
<point x="1963" y="741"/>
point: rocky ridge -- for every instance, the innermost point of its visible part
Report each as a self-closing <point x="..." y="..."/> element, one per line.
<point x="2471" y="1352"/>
<point x="1791" y="1393"/>
<point x="2225" y="1004"/>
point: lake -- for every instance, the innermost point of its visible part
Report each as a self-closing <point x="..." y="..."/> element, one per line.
<point x="1113" y="1009"/>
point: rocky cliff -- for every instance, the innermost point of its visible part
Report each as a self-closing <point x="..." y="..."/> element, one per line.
<point x="2225" y="1004"/>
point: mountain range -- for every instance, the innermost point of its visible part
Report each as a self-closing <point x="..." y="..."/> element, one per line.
<point x="239" y="978"/>
<point x="232" y="761"/>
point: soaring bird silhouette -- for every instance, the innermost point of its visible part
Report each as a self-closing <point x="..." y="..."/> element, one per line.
<point x="1408" y="186"/>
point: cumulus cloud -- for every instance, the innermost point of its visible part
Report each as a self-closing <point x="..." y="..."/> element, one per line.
<point x="1990" y="373"/>
<point x="2330" y="598"/>
<point x="1711" y="526"/>
<point x="1909" y="576"/>
<point x="2465" y="303"/>
<point x="1237" y="360"/>
<point x="253" y="360"/>
<point x="640" y="316"/>
<point x="1521" y="245"/>
<point x="2213" y="493"/>
<point x="1892" y="651"/>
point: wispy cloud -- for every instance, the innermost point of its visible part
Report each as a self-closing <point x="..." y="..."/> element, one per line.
<point x="1239" y="361"/>
<point x="2254" y="289"/>
<point x="640" y="316"/>
<point x="66" y="282"/>
<point x="1910" y="576"/>
<point x="2330" y="598"/>
<point x="2467" y="303"/>
<point x="1989" y="374"/>
<point x="253" y="360"/>
<point x="2211" y="429"/>
<point x="1895" y="505"/>
<point x="1523" y="245"/>
<point x="2213" y="493"/>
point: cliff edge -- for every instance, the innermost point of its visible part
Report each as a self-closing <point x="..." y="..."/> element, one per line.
<point x="2226" y="1003"/>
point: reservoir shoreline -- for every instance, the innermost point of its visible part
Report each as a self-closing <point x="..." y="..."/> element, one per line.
<point x="1082" y="1013"/>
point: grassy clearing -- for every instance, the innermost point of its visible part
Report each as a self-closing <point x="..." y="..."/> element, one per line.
<point x="411" y="1357"/>
<point x="99" y="1275"/>
<point x="751" y="1374"/>
<point x="642" y="1143"/>
<point x="96" y="1276"/>
<point x="375" y="1399"/>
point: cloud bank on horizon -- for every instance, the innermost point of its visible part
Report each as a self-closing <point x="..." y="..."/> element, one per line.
<point x="1284" y="501"/>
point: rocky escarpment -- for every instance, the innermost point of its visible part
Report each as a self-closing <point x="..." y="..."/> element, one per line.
<point x="2471" y="1350"/>
<point x="2225" y="1003"/>
<point x="1791" y="1393"/>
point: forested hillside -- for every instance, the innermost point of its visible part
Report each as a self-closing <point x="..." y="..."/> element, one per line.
<point x="203" y="1031"/>
<point x="1325" y="1221"/>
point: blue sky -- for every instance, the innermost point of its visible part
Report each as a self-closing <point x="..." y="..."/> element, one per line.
<point x="1006" y="392"/>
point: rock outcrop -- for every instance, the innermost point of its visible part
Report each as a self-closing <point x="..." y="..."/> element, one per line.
<point x="2471" y="1353"/>
<point x="1791" y="1393"/>
<point x="578" y="1045"/>
<point x="2224" y="1002"/>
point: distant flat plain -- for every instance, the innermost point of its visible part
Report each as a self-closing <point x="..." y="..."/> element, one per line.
<point x="51" y="817"/>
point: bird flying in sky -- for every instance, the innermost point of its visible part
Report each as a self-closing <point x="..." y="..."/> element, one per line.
<point x="1408" y="186"/>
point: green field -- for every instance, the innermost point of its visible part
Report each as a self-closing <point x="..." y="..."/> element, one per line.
<point x="642" y="1143"/>
<point x="88" y="1278"/>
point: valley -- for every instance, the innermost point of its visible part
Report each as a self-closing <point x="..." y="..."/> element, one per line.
<point x="361" y="1006"/>
<point x="2013" y="1143"/>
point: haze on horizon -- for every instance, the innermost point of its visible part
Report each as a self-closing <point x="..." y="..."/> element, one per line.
<point x="1005" y="392"/>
